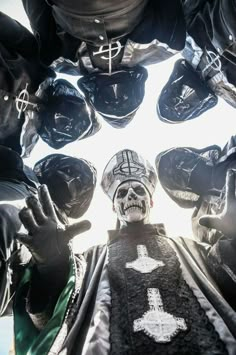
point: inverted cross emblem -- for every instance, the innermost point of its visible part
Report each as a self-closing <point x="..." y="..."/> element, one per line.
<point x="22" y="101"/>
<point x="156" y="323"/>
<point x="127" y="165"/>
<point x="111" y="51"/>
<point x="144" y="264"/>
<point x="213" y="61"/>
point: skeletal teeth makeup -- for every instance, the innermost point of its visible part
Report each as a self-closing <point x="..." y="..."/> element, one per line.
<point x="128" y="206"/>
<point x="132" y="202"/>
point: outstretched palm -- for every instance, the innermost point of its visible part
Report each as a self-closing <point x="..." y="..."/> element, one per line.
<point x="47" y="238"/>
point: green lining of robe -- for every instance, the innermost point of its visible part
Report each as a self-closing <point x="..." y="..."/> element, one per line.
<point x="29" y="340"/>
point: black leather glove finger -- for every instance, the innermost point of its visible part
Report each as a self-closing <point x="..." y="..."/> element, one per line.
<point x="47" y="241"/>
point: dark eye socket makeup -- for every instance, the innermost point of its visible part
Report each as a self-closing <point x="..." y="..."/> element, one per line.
<point x="139" y="190"/>
<point x="122" y="193"/>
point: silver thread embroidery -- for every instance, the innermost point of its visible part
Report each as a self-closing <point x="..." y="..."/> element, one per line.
<point x="156" y="323"/>
<point x="144" y="264"/>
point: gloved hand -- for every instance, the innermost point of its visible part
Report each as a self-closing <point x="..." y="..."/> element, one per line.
<point x="225" y="222"/>
<point x="47" y="238"/>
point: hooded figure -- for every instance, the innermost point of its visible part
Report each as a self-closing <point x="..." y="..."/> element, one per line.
<point x="71" y="182"/>
<point x="185" y="96"/>
<point x="134" y="29"/>
<point x="195" y="178"/>
<point x="210" y="45"/>
<point x="118" y="96"/>
<point x="67" y="116"/>
<point x="21" y="72"/>
<point x="33" y="102"/>
<point x="107" y="37"/>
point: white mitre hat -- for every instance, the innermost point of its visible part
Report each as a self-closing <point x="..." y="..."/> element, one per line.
<point x="124" y="166"/>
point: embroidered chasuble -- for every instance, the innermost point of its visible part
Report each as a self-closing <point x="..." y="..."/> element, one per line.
<point x="153" y="310"/>
<point x="162" y="300"/>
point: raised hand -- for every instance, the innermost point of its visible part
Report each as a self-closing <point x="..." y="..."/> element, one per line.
<point x="47" y="238"/>
<point x="225" y="222"/>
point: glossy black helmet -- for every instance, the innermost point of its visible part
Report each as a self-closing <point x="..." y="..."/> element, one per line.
<point x="71" y="182"/>
<point x="186" y="173"/>
<point x="185" y="96"/>
<point x="117" y="96"/>
<point x="66" y="116"/>
<point x="195" y="178"/>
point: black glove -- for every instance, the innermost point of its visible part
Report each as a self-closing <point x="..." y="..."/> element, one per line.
<point x="47" y="238"/>
<point x="225" y="222"/>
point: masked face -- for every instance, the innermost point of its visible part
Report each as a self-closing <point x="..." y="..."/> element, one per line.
<point x="71" y="182"/>
<point x="185" y="96"/>
<point x="76" y="188"/>
<point x="115" y="96"/>
<point x="132" y="203"/>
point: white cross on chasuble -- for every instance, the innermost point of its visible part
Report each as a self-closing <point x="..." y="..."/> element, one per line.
<point x="156" y="323"/>
<point x="144" y="263"/>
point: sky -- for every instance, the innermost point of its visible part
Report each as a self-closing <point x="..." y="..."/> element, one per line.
<point x="147" y="135"/>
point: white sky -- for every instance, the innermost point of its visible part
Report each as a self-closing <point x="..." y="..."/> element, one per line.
<point x="148" y="136"/>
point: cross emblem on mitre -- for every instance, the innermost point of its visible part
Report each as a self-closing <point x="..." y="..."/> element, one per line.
<point x="128" y="165"/>
<point x="144" y="264"/>
<point x="156" y="323"/>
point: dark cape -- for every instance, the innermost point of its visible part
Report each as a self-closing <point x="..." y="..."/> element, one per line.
<point x="212" y="26"/>
<point x="161" y="20"/>
<point x="20" y="69"/>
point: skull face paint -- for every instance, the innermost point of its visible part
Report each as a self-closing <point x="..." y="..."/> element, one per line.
<point x="132" y="202"/>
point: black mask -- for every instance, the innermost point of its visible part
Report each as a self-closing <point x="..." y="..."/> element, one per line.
<point x="186" y="174"/>
<point x="117" y="96"/>
<point x="67" y="116"/>
<point x="185" y="96"/>
<point x="71" y="182"/>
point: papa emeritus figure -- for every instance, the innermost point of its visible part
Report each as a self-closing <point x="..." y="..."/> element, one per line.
<point x="141" y="293"/>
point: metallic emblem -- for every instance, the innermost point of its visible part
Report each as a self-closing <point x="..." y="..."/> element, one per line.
<point x="213" y="61"/>
<point x="22" y="101"/>
<point x="113" y="50"/>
